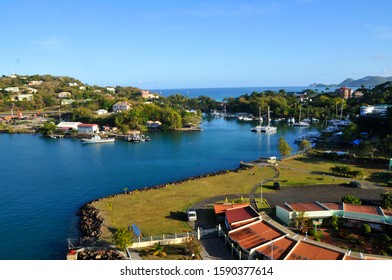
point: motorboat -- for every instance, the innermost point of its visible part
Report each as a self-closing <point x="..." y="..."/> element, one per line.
<point x="96" y="139"/>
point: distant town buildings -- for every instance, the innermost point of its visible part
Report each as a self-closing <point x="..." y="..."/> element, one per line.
<point x="111" y="89"/>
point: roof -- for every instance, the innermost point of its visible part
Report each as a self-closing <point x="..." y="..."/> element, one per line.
<point x="221" y="208"/>
<point x="278" y="249"/>
<point x="312" y="206"/>
<point x="87" y="124"/>
<point x="333" y="206"/>
<point x="240" y="214"/>
<point x="363" y="209"/>
<point x="308" y="251"/>
<point x="255" y="234"/>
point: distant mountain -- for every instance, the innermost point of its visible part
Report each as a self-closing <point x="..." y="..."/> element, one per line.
<point x="368" y="81"/>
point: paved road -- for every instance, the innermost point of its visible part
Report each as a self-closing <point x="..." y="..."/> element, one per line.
<point x="321" y="193"/>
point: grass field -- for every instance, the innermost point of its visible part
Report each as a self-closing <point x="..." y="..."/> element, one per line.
<point x="157" y="211"/>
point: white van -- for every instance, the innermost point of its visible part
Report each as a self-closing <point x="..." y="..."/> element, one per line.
<point x="192" y="216"/>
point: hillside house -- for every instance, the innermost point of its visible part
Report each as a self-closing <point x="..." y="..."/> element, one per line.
<point x="121" y="106"/>
<point x="64" y="94"/>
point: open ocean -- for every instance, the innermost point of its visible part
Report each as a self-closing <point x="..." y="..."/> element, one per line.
<point x="45" y="181"/>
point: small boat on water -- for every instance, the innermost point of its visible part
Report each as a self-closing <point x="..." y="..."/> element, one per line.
<point x="137" y="138"/>
<point x="96" y="139"/>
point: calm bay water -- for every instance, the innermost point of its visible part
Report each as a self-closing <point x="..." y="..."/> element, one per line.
<point x="43" y="182"/>
<point x="220" y="93"/>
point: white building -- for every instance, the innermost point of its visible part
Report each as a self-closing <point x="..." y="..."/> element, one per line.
<point x="68" y="125"/>
<point x="101" y="112"/>
<point x="73" y="84"/>
<point x="64" y="94"/>
<point x="88" y="128"/>
<point x="111" y="89"/>
<point x="22" y="97"/>
<point x="121" y="106"/>
<point x="12" y="89"/>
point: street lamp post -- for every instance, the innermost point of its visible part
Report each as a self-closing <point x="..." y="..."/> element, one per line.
<point x="261" y="192"/>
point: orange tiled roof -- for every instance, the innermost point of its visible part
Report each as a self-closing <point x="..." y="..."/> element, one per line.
<point x="311" y="206"/>
<point x="278" y="249"/>
<point x="221" y="208"/>
<point x="308" y="251"/>
<point x="240" y="214"/>
<point x="333" y="206"/>
<point x="254" y="235"/>
<point x="364" y="209"/>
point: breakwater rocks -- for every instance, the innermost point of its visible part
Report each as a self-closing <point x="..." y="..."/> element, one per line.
<point x="100" y="255"/>
<point x="90" y="222"/>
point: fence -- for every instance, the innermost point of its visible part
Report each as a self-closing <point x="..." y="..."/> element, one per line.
<point x="178" y="238"/>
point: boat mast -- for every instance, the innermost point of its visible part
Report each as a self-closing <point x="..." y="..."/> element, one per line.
<point x="268" y="117"/>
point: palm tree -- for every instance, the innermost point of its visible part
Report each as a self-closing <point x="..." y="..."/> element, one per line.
<point x="158" y="250"/>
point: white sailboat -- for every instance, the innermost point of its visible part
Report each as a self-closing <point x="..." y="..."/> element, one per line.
<point x="257" y="128"/>
<point x="268" y="128"/>
<point x="300" y="123"/>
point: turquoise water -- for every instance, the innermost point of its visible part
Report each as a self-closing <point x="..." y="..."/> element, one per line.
<point x="45" y="181"/>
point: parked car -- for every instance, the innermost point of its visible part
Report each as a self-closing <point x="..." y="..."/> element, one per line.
<point x="355" y="184"/>
<point x="276" y="186"/>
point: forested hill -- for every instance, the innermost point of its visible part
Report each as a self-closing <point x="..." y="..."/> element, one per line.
<point x="368" y="81"/>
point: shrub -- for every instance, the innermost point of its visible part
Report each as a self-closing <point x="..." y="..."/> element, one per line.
<point x="366" y="228"/>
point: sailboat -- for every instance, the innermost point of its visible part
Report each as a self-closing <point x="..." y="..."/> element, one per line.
<point x="257" y="128"/>
<point x="300" y="123"/>
<point x="268" y="128"/>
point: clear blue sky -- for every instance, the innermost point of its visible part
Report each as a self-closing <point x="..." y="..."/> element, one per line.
<point x="185" y="44"/>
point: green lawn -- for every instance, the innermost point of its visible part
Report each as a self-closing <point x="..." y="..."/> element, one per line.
<point x="161" y="211"/>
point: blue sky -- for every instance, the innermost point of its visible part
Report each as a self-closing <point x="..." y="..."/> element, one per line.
<point x="185" y="44"/>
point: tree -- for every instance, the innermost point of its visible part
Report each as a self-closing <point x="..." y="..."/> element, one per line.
<point x="123" y="238"/>
<point x="304" y="145"/>
<point x="386" y="200"/>
<point x="47" y="128"/>
<point x="335" y="222"/>
<point x="351" y="200"/>
<point x="300" y="219"/>
<point x="283" y="147"/>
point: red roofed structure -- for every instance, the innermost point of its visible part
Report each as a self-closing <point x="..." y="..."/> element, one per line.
<point x="242" y="215"/>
